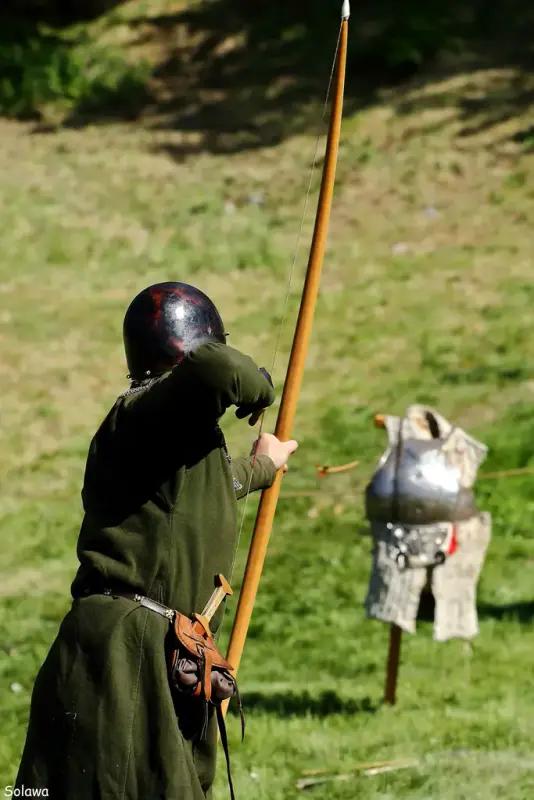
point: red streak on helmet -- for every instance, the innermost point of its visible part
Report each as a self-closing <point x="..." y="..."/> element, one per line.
<point x="178" y="346"/>
<point x="157" y="296"/>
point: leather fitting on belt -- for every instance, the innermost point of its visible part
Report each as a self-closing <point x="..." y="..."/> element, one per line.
<point x="145" y="602"/>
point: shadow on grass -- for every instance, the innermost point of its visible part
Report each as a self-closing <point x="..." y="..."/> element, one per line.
<point x="501" y="376"/>
<point x="299" y="704"/>
<point x="237" y="76"/>
<point x="521" y="612"/>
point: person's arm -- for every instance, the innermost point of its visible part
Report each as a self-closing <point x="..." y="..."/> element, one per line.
<point x="206" y="383"/>
<point x="259" y="471"/>
<point x="251" y="474"/>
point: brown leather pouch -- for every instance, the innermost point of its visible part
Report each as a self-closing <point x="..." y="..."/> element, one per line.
<point x="197" y="666"/>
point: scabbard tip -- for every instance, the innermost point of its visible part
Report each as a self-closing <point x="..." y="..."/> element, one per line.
<point x="345" y="9"/>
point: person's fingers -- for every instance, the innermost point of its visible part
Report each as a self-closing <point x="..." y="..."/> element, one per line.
<point x="290" y="447"/>
<point x="254" y="418"/>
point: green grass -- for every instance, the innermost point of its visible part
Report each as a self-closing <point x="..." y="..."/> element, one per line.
<point x="426" y="296"/>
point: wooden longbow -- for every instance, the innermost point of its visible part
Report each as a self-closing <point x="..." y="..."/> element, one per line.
<point x="293" y="380"/>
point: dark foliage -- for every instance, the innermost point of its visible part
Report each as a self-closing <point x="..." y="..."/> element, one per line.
<point x="244" y="75"/>
<point x="57" y="12"/>
<point x="40" y="65"/>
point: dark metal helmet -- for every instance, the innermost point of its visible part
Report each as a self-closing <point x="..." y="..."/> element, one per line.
<point x="164" y="323"/>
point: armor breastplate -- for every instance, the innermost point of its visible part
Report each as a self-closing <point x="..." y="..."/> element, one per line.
<point x="415" y="484"/>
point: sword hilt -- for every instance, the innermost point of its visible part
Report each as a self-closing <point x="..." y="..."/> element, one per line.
<point x="222" y="590"/>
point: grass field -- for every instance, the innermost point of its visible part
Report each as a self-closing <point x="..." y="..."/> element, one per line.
<point x="427" y="296"/>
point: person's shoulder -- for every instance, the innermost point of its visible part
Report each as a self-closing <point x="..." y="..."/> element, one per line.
<point x="108" y="421"/>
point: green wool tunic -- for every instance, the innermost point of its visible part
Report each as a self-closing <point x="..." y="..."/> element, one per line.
<point x="160" y="500"/>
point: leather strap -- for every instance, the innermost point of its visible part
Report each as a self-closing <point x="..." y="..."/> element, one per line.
<point x="224" y="742"/>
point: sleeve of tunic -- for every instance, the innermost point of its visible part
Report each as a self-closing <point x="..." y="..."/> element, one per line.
<point x="203" y="386"/>
<point x="249" y="477"/>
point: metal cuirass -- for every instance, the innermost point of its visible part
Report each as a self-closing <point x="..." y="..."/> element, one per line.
<point x="415" y="483"/>
<point x="425" y="525"/>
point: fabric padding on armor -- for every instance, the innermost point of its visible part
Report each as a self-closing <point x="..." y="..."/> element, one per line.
<point x="393" y="596"/>
<point x="454" y="583"/>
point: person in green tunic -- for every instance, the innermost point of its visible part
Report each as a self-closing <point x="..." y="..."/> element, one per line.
<point x="160" y="519"/>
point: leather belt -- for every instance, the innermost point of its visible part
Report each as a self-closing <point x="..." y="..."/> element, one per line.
<point x="143" y="601"/>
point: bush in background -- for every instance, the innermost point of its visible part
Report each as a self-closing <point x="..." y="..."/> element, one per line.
<point x="41" y="65"/>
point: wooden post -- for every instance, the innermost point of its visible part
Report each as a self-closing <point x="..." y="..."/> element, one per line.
<point x="395" y="633"/>
<point x="392" y="670"/>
